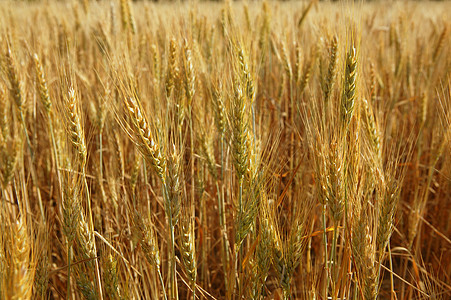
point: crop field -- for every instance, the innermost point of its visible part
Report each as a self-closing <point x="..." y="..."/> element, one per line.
<point x="225" y="150"/>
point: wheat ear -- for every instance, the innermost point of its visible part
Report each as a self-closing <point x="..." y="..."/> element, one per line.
<point x="187" y="248"/>
<point x="349" y="91"/>
<point x="144" y="139"/>
<point x="42" y="84"/>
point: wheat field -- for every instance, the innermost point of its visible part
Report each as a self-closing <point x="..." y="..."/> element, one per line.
<point x="225" y="150"/>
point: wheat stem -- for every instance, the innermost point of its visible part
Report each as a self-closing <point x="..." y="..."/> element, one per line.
<point x="326" y="289"/>
<point x="69" y="260"/>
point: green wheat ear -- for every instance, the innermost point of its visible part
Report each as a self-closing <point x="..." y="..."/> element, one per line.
<point x="349" y="91"/>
